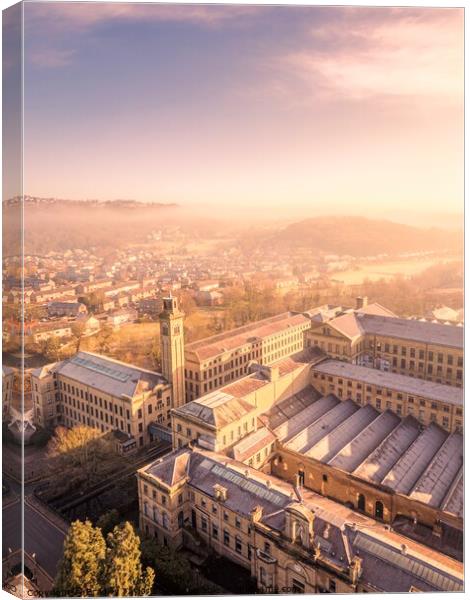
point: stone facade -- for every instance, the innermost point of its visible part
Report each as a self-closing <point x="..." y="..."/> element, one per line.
<point x="288" y="540"/>
<point x="427" y="351"/>
<point x="429" y="402"/>
<point x="218" y="360"/>
<point x="99" y="392"/>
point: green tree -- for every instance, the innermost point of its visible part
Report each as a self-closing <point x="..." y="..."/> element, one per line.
<point x="123" y="574"/>
<point x="176" y="576"/>
<point x="105" y="338"/>
<point x="79" y="457"/>
<point x="81" y="568"/>
<point x="155" y="354"/>
<point x="51" y="349"/>
<point x="108" y="521"/>
<point x="78" y="331"/>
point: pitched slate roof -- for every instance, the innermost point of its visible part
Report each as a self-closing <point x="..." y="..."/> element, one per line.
<point x="216" y="409"/>
<point x="241" y="336"/>
<point x="394" y="381"/>
<point x="106" y="374"/>
<point x="356" y="324"/>
<point x="390" y="561"/>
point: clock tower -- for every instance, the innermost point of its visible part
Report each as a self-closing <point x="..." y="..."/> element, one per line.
<point x="172" y="348"/>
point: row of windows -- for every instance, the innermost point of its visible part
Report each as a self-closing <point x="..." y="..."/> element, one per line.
<point x="214" y="384"/>
<point x="430" y="370"/>
<point x="261" y="455"/>
<point x="162" y="498"/>
<point x="77" y="416"/>
<point x="108" y="406"/>
<point x="284" y="338"/>
<point x="241" y="430"/>
<point x="280" y="355"/>
<point x="226" y="516"/>
<point x="97" y="400"/>
<point x="72" y="418"/>
<point x="226" y="537"/>
<point x="160" y="518"/>
<point x="49" y="414"/>
<point x="89" y="409"/>
<point x="293" y="339"/>
<point x="379" y="392"/>
<point x="439" y="357"/>
<point x="254" y="347"/>
<point x="432" y="356"/>
<point x="330" y="347"/>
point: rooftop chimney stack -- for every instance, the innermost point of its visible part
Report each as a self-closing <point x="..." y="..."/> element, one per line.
<point x="361" y="302"/>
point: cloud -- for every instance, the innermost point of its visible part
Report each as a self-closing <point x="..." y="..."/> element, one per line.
<point x="54" y="23"/>
<point x="417" y="54"/>
<point x="84" y="15"/>
<point x="51" y="57"/>
<point x="366" y="54"/>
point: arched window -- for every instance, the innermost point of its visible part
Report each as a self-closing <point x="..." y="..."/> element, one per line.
<point x="361" y="502"/>
<point x="297" y="532"/>
<point x="379" y="510"/>
<point x="146" y="509"/>
<point x="155" y="514"/>
<point x="180" y="519"/>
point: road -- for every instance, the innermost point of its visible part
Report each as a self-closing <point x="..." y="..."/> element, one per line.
<point x="41" y="535"/>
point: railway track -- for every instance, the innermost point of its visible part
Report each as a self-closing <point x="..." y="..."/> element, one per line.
<point x="65" y="504"/>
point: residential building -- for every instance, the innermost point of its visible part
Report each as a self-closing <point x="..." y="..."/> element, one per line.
<point x="210" y="298"/>
<point x="150" y="306"/>
<point x="41" y="332"/>
<point x="120" y="317"/>
<point x="66" y="309"/>
<point x="90" y="324"/>
<point x="93" y="286"/>
<point x="62" y="293"/>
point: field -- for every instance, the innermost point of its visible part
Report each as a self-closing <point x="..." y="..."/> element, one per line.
<point x="385" y="270"/>
<point x="139" y="343"/>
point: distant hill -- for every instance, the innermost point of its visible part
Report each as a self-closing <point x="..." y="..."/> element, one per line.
<point x="36" y="201"/>
<point x="58" y="224"/>
<point x="358" y="236"/>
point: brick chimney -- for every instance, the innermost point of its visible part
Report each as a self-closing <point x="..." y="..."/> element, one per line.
<point x="355" y="569"/>
<point x="256" y="514"/>
<point x="361" y="302"/>
<point x="220" y="492"/>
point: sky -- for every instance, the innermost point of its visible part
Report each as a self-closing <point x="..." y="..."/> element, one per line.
<point x="320" y="108"/>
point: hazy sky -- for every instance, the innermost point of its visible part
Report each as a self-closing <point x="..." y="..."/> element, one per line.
<point x="340" y="107"/>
